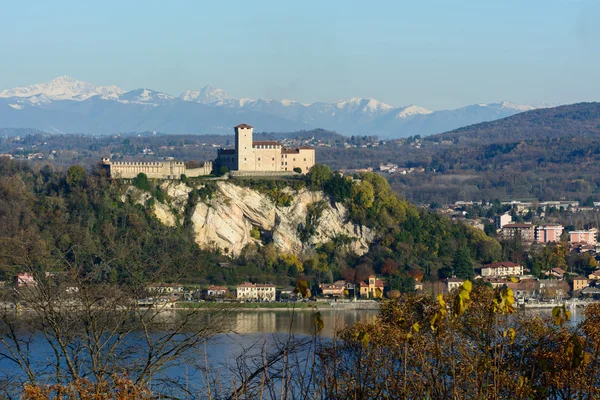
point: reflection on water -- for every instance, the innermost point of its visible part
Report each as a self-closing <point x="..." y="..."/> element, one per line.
<point x="298" y="322"/>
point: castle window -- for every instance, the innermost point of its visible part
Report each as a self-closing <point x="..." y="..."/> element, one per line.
<point x="305" y="159"/>
<point x="258" y="158"/>
<point x="244" y="158"/>
<point x="282" y="163"/>
<point x="273" y="158"/>
<point x="294" y="159"/>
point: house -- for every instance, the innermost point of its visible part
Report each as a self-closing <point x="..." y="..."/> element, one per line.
<point x="256" y="291"/>
<point x="165" y="288"/>
<point x="556" y="272"/>
<point x="335" y="289"/>
<point x="496" y="281"/>
<point x="25" y="279"/>
<point x="216" y="291"/>
<point x="548" y="233"/>
<point x="587" y="237"/>
<point x="580" y="282"/>
<point x="454" y="283"/>
<point x="502" y="269"/>
<point x="590" y="291"/>
<point x="286" y="293"/>
<point x="552" y="288"/>
<point x="594" y="276"/>
<point x="501" y="220"/>
<point x="372" y="289"/>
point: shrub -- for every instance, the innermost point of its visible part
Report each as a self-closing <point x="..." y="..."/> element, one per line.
<point x="223" y="170"/>
<point x="141" y="182"/>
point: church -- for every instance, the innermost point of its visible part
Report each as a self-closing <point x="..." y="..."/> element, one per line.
<point x="253" y="157"/>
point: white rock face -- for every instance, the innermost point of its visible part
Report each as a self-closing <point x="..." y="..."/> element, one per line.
<point x="226" y="221"/>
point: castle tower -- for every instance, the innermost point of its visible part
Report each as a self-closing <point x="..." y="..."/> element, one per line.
<point x="243" y="147"/>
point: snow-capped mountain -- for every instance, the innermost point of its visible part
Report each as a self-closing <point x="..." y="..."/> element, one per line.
<point x="507" y="105"/>
<point x="68" y="105"/>
<point x="63" y="88"/>
<point x="206" y="95"/>
<point x="145" y="96"/>
<point x="409" y="111"/>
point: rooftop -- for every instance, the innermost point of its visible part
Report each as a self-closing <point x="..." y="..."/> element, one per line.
<point x="243" y="126"/>
<point x="501" y="264"/>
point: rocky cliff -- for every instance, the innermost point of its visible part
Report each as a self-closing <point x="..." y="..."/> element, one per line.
<point x="235" y="216"/>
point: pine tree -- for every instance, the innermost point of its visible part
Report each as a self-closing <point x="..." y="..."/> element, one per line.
<point x="463" y="266"/>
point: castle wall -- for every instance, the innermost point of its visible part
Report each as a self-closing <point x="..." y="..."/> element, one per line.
<point x="156" y="170"/>
<point x="206" y="169"/>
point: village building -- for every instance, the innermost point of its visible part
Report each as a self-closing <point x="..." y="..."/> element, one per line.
<point x="335" y="289"/>
<point x="580" y="282"/>
<point x="555" y="272"/>
<point x="262" y="157"/>
<point x="587" y="237"/>
<point x="165" y="288"/>
<point x="548" y="233"/>
<point x="595" y="275"/>
<point x="25" y="279"/>
<point x="523" y="231"/>
<point x="502" y="269"/>
<point x="216" y="291"/>
<point x="256" y="291"/>
<point x="372" y="289"/>
<point x="496" y="281"/>
<point x="454" y="283"/>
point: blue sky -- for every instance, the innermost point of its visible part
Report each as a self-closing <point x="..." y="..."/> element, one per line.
<point x="435" y="53"/>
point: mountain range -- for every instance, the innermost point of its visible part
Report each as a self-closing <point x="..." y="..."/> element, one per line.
<point x="67" y="105"/>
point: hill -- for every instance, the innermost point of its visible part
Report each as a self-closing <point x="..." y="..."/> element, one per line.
<point x="581" y="120"/>
<point x="323" y="227"/>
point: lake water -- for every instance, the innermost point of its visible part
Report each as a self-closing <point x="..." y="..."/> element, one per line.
<point x="252" y="334"/>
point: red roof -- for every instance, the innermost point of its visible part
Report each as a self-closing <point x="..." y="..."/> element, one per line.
<point x="290" y="151"/>
<point x="518" y="226"/>
<point x="243" y="126"/>
<point x="501" y="264"/>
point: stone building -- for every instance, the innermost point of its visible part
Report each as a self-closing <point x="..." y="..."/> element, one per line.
<point x="256" y="157"/>
<point x="156" y="169"/>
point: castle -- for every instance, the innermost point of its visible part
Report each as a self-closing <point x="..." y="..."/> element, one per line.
<point x="268" y="157"/>
<point x="247" y="158"/>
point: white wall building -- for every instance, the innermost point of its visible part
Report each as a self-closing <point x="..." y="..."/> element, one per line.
<point x="256" y="291"/>
<point x="502" y="269"/>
